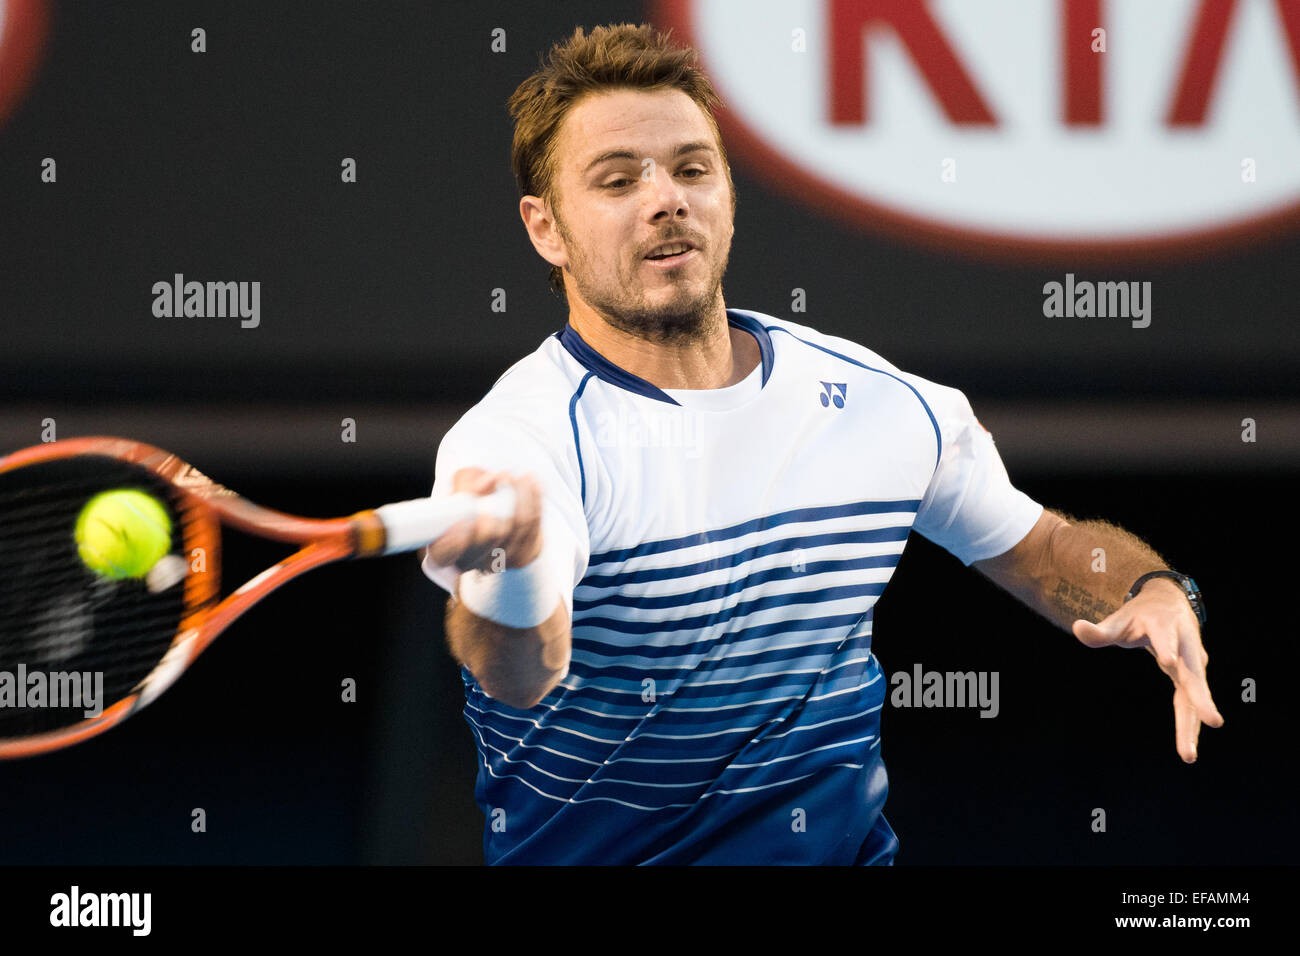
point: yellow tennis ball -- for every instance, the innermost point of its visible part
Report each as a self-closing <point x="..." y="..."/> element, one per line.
<point x="123" y="533"/>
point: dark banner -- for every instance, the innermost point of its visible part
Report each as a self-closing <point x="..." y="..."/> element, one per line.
<point x="316" y="199"/>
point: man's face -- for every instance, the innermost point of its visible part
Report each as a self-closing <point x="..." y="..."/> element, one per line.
<point x="635" y="170"/>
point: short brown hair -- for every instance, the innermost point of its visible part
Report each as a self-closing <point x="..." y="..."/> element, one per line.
<point x="621" y="55"/>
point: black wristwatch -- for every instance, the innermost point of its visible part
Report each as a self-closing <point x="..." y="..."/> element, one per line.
<point x="1187" y="584"/>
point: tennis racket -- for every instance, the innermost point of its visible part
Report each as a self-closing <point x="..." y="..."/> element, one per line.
<point x="59" y="618"/>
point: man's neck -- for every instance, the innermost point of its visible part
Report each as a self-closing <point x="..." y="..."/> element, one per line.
<point x="724" y="356"/>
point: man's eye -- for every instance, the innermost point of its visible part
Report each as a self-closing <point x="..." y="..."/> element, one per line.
<point x="693" y="169"/>
<point x="617" y="183"/>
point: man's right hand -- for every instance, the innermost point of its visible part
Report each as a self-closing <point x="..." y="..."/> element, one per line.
<point x="517" y="666"/>
<point x="493" y="544"/>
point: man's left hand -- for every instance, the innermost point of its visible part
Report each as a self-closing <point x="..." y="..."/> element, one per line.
<point x="1160" y="619"/>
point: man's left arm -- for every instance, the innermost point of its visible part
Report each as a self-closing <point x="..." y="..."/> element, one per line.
<point x="1077" y="574"/>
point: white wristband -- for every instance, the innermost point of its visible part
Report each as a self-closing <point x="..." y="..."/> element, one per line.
<point x="515" y="597"/>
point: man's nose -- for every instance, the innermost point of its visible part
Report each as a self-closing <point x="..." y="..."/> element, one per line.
<point x="668" y="197"/>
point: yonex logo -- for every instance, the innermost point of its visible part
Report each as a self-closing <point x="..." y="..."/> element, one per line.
<point x="827" y="396"/>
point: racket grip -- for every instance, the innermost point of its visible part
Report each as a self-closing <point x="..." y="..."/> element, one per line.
<point x="413" y="524"/>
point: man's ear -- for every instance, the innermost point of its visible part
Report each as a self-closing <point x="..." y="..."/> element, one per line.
<point x="543" y="231"/>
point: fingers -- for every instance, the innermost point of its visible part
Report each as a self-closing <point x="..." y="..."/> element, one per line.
<point x="1187" y="725"/>
<point x="524" y="542"/>
<point x="1096" y="635"/>
<point x="1164" y="645"/>
<point x="446" y="549"/>
<point x="452" y="543"/>
<point x="466" y="479"/>
<point x="1116" y="628"/>
<point x="1193" y="705"/>
<point x="1195" y="659"/>
<point x="1126" y="629"/>
<point x="482" y="538"/>
<point x="488" y="543"/>
<point x="1089" y="633"/>
<point x="1178" y="651"/>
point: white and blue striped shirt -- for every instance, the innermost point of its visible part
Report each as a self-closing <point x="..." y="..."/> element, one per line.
<point x="726" y="548"/>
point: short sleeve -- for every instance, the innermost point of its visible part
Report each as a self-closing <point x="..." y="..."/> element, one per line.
<point x="970" y="507"/>
<point x="477" y="441"/>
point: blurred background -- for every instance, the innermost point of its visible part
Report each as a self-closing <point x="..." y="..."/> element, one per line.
<point x="377" y="305"/>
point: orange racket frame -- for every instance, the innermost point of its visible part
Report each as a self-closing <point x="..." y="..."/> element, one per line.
<point x="207" y="506"/>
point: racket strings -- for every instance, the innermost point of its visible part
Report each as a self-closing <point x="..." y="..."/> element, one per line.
<point x="58" y="618"/>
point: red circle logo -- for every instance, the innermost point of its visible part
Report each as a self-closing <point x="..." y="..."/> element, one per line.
<point x="1066" y="130"/>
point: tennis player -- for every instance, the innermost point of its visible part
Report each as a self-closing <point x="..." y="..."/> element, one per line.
<point x="667" y="651"/>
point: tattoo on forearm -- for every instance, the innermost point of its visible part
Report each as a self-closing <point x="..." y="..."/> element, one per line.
<point x="1080" y="602"/>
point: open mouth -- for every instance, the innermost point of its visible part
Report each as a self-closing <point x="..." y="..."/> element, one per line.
<point x="670" y="252"/>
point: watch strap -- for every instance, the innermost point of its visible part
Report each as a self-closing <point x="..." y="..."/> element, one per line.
<point x="1189" y="587"/>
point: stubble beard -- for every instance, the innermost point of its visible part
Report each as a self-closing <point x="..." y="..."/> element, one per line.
<point x="676" y="323"/>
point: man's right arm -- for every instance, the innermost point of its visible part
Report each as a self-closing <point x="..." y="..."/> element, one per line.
<point x="515" y="665"/>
